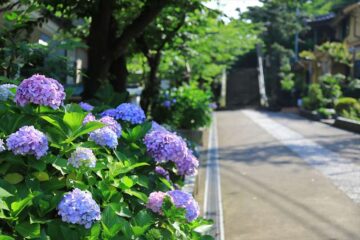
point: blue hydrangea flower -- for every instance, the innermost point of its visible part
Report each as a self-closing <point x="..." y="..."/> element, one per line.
<point x="110" y="112"/>
<point x="5" y="91"/>
<point x="184" y="200"/>
<point x="82" y="157"/>
<point x="167" y="103"/>
<point x="28" y="141"/>
<point x="2" y="145"/>
<point x="188" y="165"/>
<point x="78" y="207"/>
<point x="165" y="146"/>
<point x="104" y="137"/>
<point x="112" y="124"/>
<point x="157" y="127"/>
<point x="40" y="90"/>
<point x="86" y="107"/>
<point x="130" y="113"/>
<point x="179" y="198"/>
<point x="155" y="201"/>
<point x="161" y="171"/>
<point x="89" y="118"/>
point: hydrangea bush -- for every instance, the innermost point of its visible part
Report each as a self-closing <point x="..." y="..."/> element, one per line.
<point x="69" y="172"/>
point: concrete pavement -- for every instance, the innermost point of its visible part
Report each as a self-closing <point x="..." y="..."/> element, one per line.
<point x="270" y="192"/>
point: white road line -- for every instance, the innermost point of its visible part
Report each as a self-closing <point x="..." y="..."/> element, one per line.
<point x="213" y="201"/>
<point x="342" y="172"/>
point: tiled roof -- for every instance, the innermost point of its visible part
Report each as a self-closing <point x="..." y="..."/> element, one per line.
<point x="321" y="18"/>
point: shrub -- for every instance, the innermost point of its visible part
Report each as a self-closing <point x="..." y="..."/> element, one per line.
<point x="186" y="107"/>
<point x="330" y="85"/>
<point x="314" y="99"/>
<point x="63" y="177"/>
<point x="348" y="107"/>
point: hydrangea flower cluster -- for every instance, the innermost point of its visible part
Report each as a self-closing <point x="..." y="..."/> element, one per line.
<point x="188" y="165"/>
<point x="78" y="207"/>
<point x="126" y="112"/>
<point x="165" y="146"/>
<point x="161" y="171"/>
<point x="40" y="90"/>
<point x="28" y="140"/>
<point x="104" y="137"/>
<point x="5" y="91"/>
<point x="155" y="201"/>
<point x="89" y="118"/>
<point x="86" y="107"/>
<point x="185" y="200"/>
<point x="179" y="198"/>
<point x="112" y="124"/>
<point x="157" y="127"/>
<point x="2" y="145"/>
<point x="82" y="157"/>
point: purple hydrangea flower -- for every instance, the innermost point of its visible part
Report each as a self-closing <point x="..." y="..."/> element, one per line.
<point x="89" y="118"/>
<point x="104" y="137"/>
<point x="82" y="157"/>
<point x="155" y="201"/>
<point x="179" y="198"/>
<point x="2" y="145"/>
<point x="5" y="91"/>
<point x="167" y="103"/>
<point x="40" y="90"/>
<point x="112" y="124"/>
<point x="86" y="107"/>
<point x="184" y="200"/>
<point x="28" y="140"/>
<point x="157" y="127"/>
<point x="78" y="207"/>
<point x="188" y="165"/>
<point x="165" y="146"/>
<point x="110" y="112"/>
<point x="130" y="113"/>
<point x="213" y="105"/>
<point x="161" y="171"/>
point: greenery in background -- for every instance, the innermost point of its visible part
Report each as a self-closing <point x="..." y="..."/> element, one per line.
<point x="314" y="99"/>
<point x="348" y="107"/>
<point x="287" y="77"/>
<point x="185" y="107"/>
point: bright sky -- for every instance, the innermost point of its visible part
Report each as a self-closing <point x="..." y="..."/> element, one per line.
<point x="229" y="6"/>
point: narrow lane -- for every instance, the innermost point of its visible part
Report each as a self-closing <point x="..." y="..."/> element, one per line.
<point x="270" y="191"/>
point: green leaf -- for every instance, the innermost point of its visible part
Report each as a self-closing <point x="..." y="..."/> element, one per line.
<point x="4" y="193"/>
<point x="142" y="221"/>
<point x="127" y="182"/>
<point x="74" y="119"/>
<point x="137" y="194"/>
<point x="118" y="168"/>
<point x="41" y="176"/>
<point x="56" y="122"/>
<point x="18" y="206"/>
<point x="140" y="131"/>
<point x="28" y="230"/>
<point x="13" y="178"/>
<point x="111" y="222"/>
<point x="89" y="127"/>
<point x="4" y="237"/>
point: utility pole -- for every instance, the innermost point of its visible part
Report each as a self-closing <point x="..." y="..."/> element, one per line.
<point x="262" y="90"/>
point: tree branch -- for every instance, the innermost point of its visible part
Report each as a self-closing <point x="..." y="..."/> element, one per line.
<point x="133" y="30"/>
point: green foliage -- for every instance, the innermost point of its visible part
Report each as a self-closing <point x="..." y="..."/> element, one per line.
<point x="186" y="107"/>
<point x="324" y="113"/>
<point x="314" y="98"/>
<point x="348" y="107"/>
<point x="31" y="189"/>
<point x="287" y="77"/>
<point x="330" y="85"/>
<point x="339" y="52"/>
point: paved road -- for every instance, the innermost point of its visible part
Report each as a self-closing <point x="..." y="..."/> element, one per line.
<point x="274" y="188"/>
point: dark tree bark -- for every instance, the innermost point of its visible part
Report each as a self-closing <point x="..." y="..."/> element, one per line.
<point x="119" y="73"/>
<point x="105" y="51"/>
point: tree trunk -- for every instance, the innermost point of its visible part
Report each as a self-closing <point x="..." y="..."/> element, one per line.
<point x="152" y="85"/>
<point x="98" y="54"/>
<point x="119" y="74"/>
